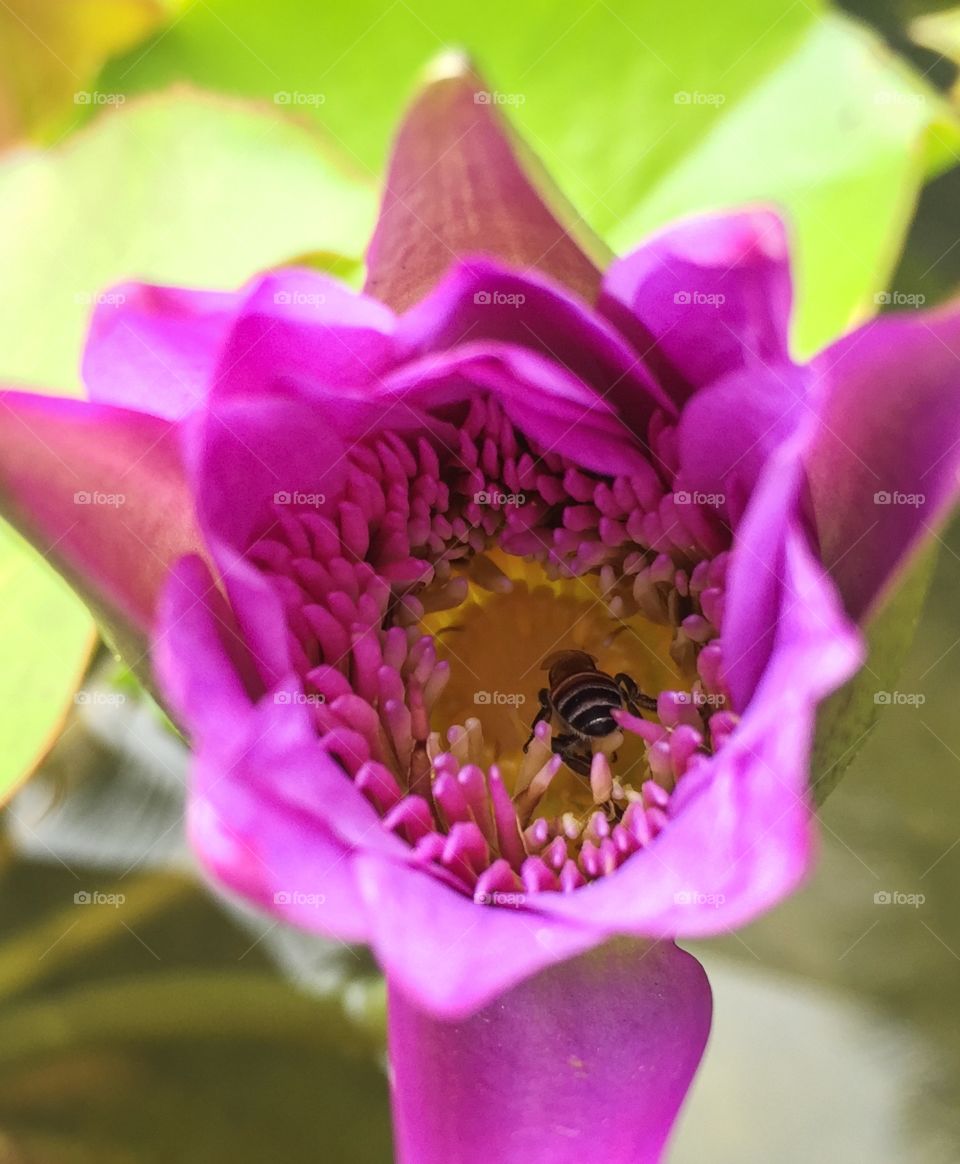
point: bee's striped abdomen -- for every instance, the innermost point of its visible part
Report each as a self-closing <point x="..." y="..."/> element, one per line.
<point x="585" y="701"/>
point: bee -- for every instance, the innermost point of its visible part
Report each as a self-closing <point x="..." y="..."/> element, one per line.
<point x="582" y="698"/>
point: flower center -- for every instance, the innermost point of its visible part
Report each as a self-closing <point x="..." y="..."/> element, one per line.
<point x="513" y="618"/>
<point x="423" y="605"/>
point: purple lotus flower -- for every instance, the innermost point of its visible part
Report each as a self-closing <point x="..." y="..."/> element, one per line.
<point x="357" y="524"/>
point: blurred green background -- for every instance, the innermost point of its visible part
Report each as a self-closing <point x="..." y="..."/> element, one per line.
<point x="201" y="141"/>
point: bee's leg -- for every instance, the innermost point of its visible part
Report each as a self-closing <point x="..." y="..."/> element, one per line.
<point x="546" y="710"/>
<point x="633" y="697"/>
<point x="562" y="746"/>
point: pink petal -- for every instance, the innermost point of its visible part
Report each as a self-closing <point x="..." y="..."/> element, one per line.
<point x="298" y="324"/>
<point x="884" y="462"/>
<point x="456" y="185"/>
<point x="479" y="301"/>
<point x="730" y="429"/>
<point x="448" y="954"/>
<point x="154" y="348"/>
<point x="591" y="1060"/>
<point x="100" y="492"/>
<point x="705" y="297"/>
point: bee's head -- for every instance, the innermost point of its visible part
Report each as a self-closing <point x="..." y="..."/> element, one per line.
<point x="560" y="664"/>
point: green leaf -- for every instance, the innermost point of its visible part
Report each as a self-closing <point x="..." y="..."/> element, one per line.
<point x="939" y="31"/>
<point x="837" y="135"/>
<point x="846" y="719"/>
<point x="47" y="638"/>
<point x="178" y="188"/>
<point x="55" y="50"/>
<point x="137" y="1025"/>
<point x="640" y="111"/>
<point x="197" y="1066"/>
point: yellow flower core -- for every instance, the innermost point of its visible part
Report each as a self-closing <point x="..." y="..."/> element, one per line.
<point x="495" y="642"/>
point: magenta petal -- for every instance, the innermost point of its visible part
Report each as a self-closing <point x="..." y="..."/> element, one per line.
<point x="539" y="396"/>
<point x="448" y="954"/>
<point x="590" y="1061"/>
<point x="199" y="656"/>
<point x="251" y="458"/>
<point x="259" y="774"/>
<point x="250" y="455"/>
<point x="730" y="429"/>
<point x="292" y="867"/>
<point x="480" y="301"/>
<point x="884" y="461"/>
<point x="705" y="297"/>
<point x="456" y="186"/>
<point x="295" y="324"/>
<point x="154" y="348"/>
<point x="101" y="492"/>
